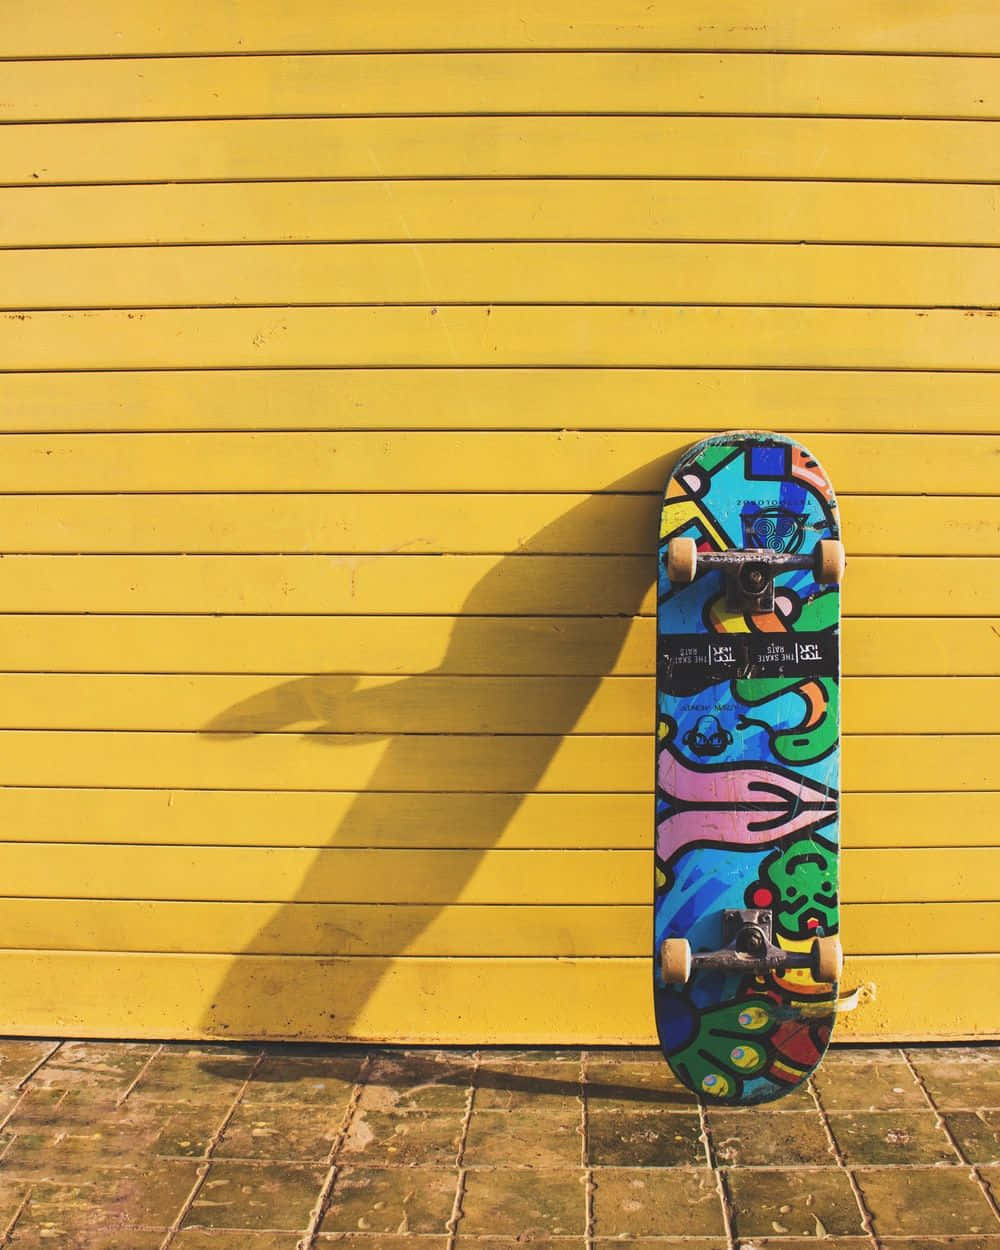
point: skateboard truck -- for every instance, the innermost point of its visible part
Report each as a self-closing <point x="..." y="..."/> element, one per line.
<point x="750" y="572"/>
<point x="750" y="948"/>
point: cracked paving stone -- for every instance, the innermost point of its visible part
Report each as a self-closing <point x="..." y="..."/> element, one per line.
<point x="520" y="1139"/>
<point x="775" y="1138"/>
<point x="867" y="1081"/>
<point x="266" y="1131"/>
<point x="390" y="1200"/>
<point x="891" y="1137"/>
<point x="977" y="1134"/>
<point x="273" y="1196"/>
<point x="525" y="1205"/>
<point x="926" y="1200"/>
<point x="325" y="1079"/>
<point x="806" y="1202"/>
<point x="405" y="1139"/>
<point x="631" y="1202"/>
<point x="645" y="1139"/>
<point x="966" y="1080"/>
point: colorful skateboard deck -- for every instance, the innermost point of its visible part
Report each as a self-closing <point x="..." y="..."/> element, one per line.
<point x="747" y="769"/>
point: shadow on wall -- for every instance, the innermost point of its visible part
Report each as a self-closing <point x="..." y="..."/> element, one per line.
<point x="257" y="988"/>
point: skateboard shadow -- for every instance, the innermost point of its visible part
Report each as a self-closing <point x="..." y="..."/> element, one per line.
<point x="257" y="987"/>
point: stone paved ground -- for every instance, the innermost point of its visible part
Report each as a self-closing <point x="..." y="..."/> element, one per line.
<point x="119" y="1146"/>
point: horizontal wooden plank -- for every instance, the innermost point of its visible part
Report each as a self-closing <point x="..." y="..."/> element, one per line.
<point x="350" y="524"/>
<point x="485" y="82"/>
<point x="499" y="273"/>
<point x="535" y="877"/>
<point x="490" y="147"/>
<point x="497" y="399"/>
<point x="443" y="585"/>
<point x="55" y="28"/>
<point x="487" y="461"/>
<point x="466" y="931"/>
<point x="452" y="821"/>
<point x="563" y="209"/>
<point x="429" y="763"/>
<point x="444" y="705"/>
<point x="502" y="337"/>
<point x="352" y="645"/>
<point x="569" y="1001"/>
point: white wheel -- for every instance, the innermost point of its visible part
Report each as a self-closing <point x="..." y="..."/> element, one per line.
<point x="829" y="561"/>
<point x="675" y="961"/>
<point x="682" y="560"/>
<point x="827" y="960"/>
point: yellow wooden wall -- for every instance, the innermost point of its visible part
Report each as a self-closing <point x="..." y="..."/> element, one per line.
<point x="346" y="350"/>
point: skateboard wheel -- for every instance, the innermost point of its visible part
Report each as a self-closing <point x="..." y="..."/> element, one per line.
<point x="682" y="560"/>
<point x="827" y="960"/>
<point x="675" y="961"/>
<point x="829" y="561"/>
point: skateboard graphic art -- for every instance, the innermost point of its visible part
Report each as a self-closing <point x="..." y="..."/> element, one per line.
<point x="747" y="956"/>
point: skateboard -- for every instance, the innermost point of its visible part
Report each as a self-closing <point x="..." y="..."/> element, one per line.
<point x="747" y="957"/>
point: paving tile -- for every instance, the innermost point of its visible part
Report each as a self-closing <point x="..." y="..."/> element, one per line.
<point x="391" y="1200"/>
<point x="631" y="1086"/>
<point x="630" y="1202"/>
<point x="268" y="1131"/>
<point x="967" y="1079"/>
<point x="194" y="1075"/>
<point x="804" y="1202"/>
<point x="986" y="1242"/>
<point x="514" y="1243"/>
<point x="57" y="1236"/>
<point x="809" y="1243"/>
<point x="17" y="1058"/>
<point x="104" y="1069"/>
<point x="775" y="1138"/>
<point x="323" y="1079"/>
<point x="927" y="1200"/>
<point x="867" y="1081"/>
<point x="505" y="1055"/>
<point x="273" y="1196"/>
<point x="675" y="1243"/>
<point x="228" y="1239"/>
<point x="412" y="1083"/>
<point x="12" y="1194"/>
<point x="66" y="1139"/>
<point x="977" y="1134"/>
<point x="543" y="1089"/>
<point x="645" y="1139"/>
<point x="108" y="1200"/>
<point x="362" y="1241"/>
<point x="891" y="1137"/>
<point x="408" y="1139"/>
<point x="524" y="1139"/>
<point x="991" y="1175"/>
<point x="524" y="1205"/>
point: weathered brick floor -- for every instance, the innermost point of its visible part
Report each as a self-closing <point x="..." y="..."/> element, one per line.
<point x="117" y="1146"/>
